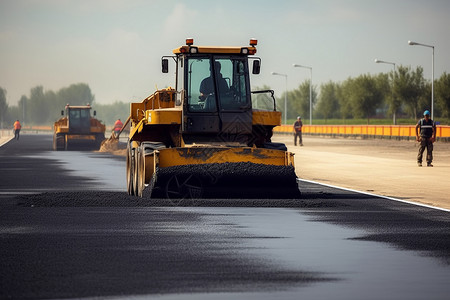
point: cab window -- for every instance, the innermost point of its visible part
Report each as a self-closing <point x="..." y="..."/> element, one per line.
<point x="198" y="71"/>
<point x="217" y="80"/>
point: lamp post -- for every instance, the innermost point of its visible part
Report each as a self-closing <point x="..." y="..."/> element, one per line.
<point x="392" y="91"/>
<point x="432" y="73"/>
<point x="310" y="90"/>
<point x="285" y="96"/>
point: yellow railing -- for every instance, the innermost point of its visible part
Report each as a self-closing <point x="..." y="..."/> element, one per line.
<point x="344" y="130"/>
<point x="363" y="130"/>
<point x="38" y="127"/>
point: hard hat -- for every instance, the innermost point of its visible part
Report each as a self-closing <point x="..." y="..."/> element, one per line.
<point x="426" y="113"/>
<point x="299" y="117"/>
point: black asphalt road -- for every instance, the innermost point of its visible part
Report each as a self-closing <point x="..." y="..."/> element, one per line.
<point x="69" y="230"/>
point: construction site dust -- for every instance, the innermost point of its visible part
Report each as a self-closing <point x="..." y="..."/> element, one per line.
<point x="113" y="146"/>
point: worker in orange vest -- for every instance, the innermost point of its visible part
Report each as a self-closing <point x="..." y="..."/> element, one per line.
<point x="117" y="127"/>
<point x="17" y="128"/>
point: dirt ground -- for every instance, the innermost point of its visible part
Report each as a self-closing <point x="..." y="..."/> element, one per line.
<point x="378" y="166"/>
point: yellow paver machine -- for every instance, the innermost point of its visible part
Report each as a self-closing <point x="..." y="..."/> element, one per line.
<point x="77" y="129"/>
<point x="208" y="137"/>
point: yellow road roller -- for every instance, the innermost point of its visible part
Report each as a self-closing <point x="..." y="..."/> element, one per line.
<point x="210" y="135"/>
<point x="77" y="129"/>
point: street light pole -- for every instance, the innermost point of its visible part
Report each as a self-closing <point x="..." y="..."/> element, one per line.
<point x="392" y="91"/>
<point x="310" y="90"/>
<point x="285" y="96"/>
<point x="432" y="73"/>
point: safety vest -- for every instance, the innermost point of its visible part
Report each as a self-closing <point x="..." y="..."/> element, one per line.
<point x="426" y="128"/>
<point x="17" y="125"/>
<point x="118" y="125"/>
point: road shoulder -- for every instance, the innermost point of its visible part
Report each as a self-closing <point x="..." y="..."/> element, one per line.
<point x="377" y="166"/>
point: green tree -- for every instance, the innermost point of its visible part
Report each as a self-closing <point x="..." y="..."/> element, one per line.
<point x="44" y="107"/>
<point x="409" y="88"/>
<point x="388" y="104"/>
<point x="442" y="94"/>
<point x="299" y="102"/>
<point x="424" y="99"/>
<point x="328" y="103"/>
<point x="3" y="107"/>
<point x="75" y="94"/>
<point x="22" y="109"/>
<point x="365" y="97"/>
<point x="38" y="107"/>
<point x="343" y="93"/>
<point x="394" y="102"/>
<point x="109" y="113"/>
<point x="280" y="105"/>
<point x="13" y="115"/>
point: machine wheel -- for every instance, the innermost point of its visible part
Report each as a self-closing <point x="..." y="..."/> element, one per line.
<point x="146" y="148"/>
<point x="99" y="138"/>
<point x="136" y="170"/>
<point x="140" y="170"/>
<point x="186" y="186"/>
<point x="66" y="145"/>
<point x="130" y="170"/>
<point x="59" y="142"/>
<point x="54" y="142"/>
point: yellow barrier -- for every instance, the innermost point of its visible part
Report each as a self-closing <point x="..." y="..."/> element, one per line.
<point x="363" y="130"/>
<point x="38" y="127"/>
<point x="345" y="130"/>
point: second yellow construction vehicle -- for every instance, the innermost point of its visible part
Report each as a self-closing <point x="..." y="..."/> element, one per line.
<point x="77" y="129"/>
<point x="205" y="137"/>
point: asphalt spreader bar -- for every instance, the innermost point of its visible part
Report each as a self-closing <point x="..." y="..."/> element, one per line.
<point x="233" y="180"/>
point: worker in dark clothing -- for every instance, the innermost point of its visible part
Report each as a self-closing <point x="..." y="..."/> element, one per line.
<point x="427" y="129"/>
<point x="207" y="84"/>
<point x="298" y="131"/>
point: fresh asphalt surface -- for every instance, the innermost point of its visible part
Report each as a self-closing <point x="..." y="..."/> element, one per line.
<point x="69" y="230"/>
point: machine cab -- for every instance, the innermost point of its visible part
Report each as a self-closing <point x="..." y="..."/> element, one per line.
<point x="79" y="119"/>
<point x="215" y="92"/>
<point x="217" y="83"/>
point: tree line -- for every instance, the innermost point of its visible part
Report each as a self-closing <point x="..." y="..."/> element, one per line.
<point x="43" y="107"/>
<point x="400" y="93"/>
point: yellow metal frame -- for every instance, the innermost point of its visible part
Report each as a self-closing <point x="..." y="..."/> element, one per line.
<point x="170" y="157"/>
<point x="168" y="116"/>
<point x="207" y="155"/>
<point x="264" y="117"/>
<point x="161" y="99"/>
<point x="215" y="50"/>
<point x="62" y="125"/>
<point x="80" y="137"/>
<point x="163" y="116"/>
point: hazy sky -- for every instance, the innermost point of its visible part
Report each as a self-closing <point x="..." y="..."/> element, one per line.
<point x="115" y="46"/>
